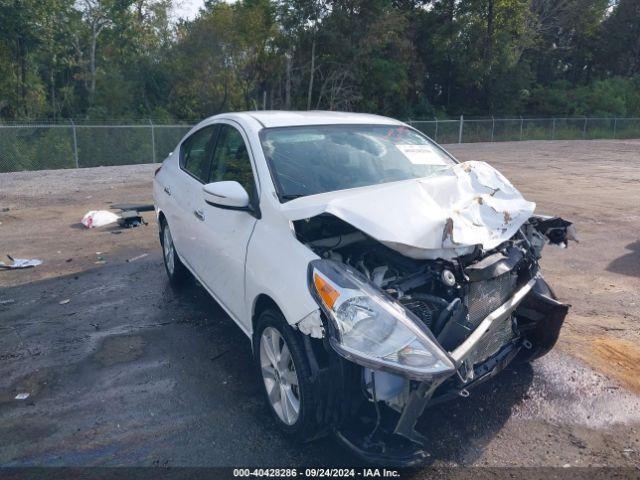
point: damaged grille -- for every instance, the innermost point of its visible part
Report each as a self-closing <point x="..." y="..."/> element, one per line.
<point x="487" y="295"/>
<point x="498" y="335"/>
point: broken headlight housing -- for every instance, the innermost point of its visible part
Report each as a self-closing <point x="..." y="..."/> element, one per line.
<point x="368" y="327"/>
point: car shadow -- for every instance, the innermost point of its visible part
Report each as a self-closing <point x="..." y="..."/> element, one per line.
<point x="629" y="263"/>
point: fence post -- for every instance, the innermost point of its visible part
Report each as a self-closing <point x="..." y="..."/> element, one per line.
<point x="584" y="128"/>
<point x="615" y="126"/>
<point x="553" y="129"/>
<point x="493" y="127"/>
<point x="460" y="129"/>
<point x="521" y="124"/>
<point x="75" y="143"/>
<point x="153" y="141"/>
<point x="435" y="136"/>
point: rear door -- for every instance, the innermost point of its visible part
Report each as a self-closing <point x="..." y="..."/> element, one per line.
<point x="186" y="191"/>
<point x="225" y="233"/>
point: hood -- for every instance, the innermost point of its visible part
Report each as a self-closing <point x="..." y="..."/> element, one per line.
<point x="442" y="216"/>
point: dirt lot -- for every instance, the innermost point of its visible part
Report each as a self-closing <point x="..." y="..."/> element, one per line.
<point x="129" y="372"/>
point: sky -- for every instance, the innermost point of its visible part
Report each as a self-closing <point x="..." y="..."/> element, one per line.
<point x="187" y="9"/>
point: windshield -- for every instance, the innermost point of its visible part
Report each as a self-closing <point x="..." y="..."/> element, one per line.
<point x="323" y="158"/>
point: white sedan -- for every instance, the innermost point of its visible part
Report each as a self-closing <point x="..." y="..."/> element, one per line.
<point x="373" y="273"/>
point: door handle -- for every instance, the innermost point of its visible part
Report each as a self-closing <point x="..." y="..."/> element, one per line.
<point x="167" y="190"/>
<point x="199" y="215"/>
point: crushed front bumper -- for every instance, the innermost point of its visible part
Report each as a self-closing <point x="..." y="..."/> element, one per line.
<point x="479" y="358"/>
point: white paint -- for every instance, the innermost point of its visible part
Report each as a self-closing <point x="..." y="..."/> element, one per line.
<point x="226" y="194"/>
<point x="442" y="216"/>
<point x="237" y="257"/>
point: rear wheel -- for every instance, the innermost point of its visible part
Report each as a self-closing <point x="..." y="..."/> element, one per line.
<point x="285" y="374"/>
<point x="176" y="271"/>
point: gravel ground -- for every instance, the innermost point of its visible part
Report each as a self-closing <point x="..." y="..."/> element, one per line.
<point x="129" y="372"/>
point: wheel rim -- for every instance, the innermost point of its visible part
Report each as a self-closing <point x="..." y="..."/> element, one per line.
<point x="169" y="251"/>
<point x="279" y="375"/>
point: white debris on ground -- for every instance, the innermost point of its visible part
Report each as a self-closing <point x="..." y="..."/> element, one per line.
<point x="18" y="263"/>
<point x="99" y="218"/>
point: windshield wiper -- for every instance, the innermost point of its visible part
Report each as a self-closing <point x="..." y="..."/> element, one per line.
<point x="292" y="196"/>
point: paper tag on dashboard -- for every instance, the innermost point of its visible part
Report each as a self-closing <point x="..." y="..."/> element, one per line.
<point x="421" y="154"/>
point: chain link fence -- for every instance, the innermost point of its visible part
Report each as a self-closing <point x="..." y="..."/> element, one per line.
<point x="75" y="145"/>
<point x="468" y="130"/>
<point x="54" y="146"/>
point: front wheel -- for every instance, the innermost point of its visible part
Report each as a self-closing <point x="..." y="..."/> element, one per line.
<point x="285" y="374"/>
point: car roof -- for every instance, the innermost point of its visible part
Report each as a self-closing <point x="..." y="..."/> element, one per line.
<point x="282" y="118"/>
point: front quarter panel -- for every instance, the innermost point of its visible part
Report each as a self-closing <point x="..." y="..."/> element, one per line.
<point x="277" y="266"/>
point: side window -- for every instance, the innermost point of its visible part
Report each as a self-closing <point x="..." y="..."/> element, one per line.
<point x="194" y="153"/>
<point x="231" y="160"/>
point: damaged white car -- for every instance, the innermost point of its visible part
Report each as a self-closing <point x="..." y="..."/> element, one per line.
<point x="374" y="273"/>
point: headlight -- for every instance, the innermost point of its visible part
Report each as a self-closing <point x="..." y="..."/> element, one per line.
<point x="369" y="328"/>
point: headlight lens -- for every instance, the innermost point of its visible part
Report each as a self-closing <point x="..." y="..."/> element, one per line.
<point x="369" y="328"/>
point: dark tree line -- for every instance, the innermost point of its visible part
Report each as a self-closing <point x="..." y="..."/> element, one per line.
<point x="123" y="59"/>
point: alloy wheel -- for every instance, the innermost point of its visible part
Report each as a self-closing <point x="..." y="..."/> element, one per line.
<point x="168" y="250"/>
<point x="279" y="375"/>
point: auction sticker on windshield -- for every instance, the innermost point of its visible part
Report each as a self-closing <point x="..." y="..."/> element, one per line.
<point x="421" y="154"/>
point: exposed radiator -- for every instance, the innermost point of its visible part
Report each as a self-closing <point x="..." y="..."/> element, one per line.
<point x="487" y="295"/>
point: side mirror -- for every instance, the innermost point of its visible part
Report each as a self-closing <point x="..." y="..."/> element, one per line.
<point x="227" y="194"/>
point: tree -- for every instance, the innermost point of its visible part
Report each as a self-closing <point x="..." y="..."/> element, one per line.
<point x="102" y="59"/>
<point x="618" y="44"/>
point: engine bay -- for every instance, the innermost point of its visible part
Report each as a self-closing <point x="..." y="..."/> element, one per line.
<point x="484" y="308"/>
<point x="449" y="297"/>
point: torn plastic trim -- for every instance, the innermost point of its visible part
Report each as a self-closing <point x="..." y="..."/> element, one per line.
<point x="312" y="325"/>
<point x="418" y="401"/>
<point x="546" y="323"/>
<point x="482" y="373"/>
<point x="494" y="265"/>
<point x="429" y="394"/>
<point x="556" y="230"/>
<point x="541" y="317"/>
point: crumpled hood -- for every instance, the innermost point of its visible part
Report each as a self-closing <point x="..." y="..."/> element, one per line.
<point x="442" y="216"/>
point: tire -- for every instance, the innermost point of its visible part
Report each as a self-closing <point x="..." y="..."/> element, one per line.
<point x="176" y="271"/>
<point x="272" y="338"/>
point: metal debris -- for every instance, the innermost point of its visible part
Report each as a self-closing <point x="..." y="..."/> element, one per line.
<point x="137" y="257"/>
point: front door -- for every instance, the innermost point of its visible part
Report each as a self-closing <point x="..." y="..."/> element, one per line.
<point x="225" y="233"/>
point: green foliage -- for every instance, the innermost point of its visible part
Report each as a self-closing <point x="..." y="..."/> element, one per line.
<point x="127" y="59"/>
<point x="615" y="96"/>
